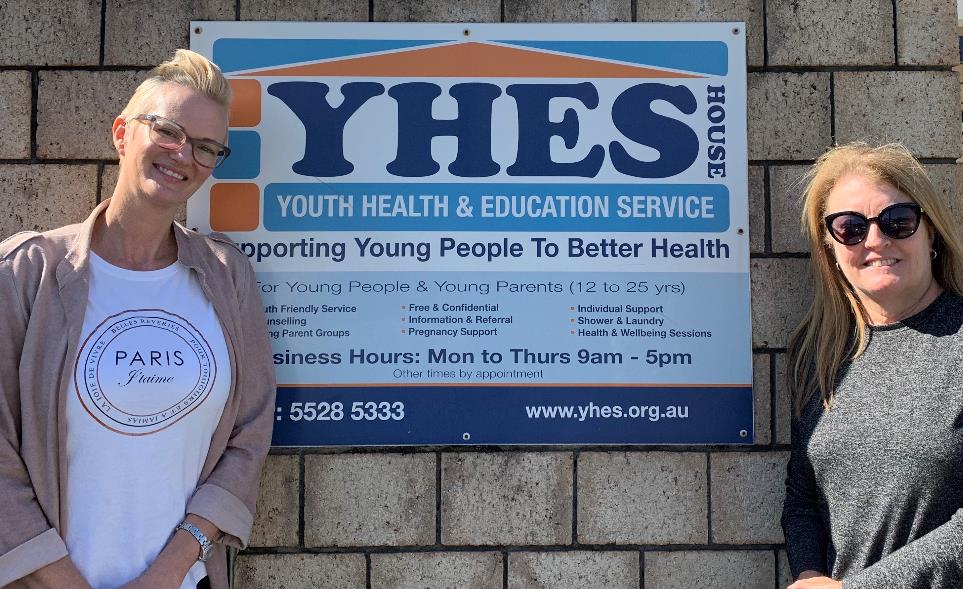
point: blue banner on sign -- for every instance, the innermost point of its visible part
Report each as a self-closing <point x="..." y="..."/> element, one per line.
<point x="380" y="415"/>
<point x="241" y="54"/>
<point x="496" y="207"/>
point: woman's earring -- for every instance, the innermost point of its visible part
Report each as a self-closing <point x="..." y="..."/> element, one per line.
<point x="933" y="254"/>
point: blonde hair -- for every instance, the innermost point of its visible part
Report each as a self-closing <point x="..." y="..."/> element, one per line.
<point x="188" y="69"/>
<point x="834" y="329"/>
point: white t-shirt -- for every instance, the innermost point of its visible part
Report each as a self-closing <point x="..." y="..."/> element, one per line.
<point x="149" y="386"/>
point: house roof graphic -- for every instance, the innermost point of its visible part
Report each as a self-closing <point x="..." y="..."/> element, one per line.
<point x="471" y="60"/>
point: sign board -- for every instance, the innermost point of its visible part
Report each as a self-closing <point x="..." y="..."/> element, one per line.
<point x="491" y="233"/>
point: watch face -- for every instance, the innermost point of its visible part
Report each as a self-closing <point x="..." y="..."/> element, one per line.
<point x="206" y="550"/>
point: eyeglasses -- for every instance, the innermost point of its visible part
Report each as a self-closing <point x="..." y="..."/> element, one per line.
<point x="897" y="221"/>
<point x="169" y="135"/>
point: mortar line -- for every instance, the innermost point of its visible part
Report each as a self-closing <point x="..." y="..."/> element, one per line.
<point x="641" y="569"/>
<point x="802" y="69"/>
<point x="371" y="11"/>
<point x="428" y="549"/>
<point x="575" y="456"/>
<point x="772" y="398"/>
<point x="34" y="98"/>
<point x="438" y="498"/>
<point x="504" y="569"/>
<point x="100" y="182"/>
<point x="301" y="493"/>
<point x="709" y="497"/>
<point x="832" y="108"/>
<point x="778" y="162"/>
<point x="895" y="35"/>
<point x="237" y="9"/>
<point x="808" y="162"/>
<point x="781" y="256"/>
<point x="937" y="160"/>
<point x="634" y="7"/>
<point x="367" y="570"/>
<point x="765" y="34"/>
<point x="57" y="161"/>
<point x="103" y="31"/>
<point x="84" y="68"/>
<point x="767" y="210"/>
<point x="775" y="569"/>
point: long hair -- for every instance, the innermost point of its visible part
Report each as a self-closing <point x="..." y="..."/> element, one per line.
<point x="834" y="329"/>
<point x="188" y="69"/>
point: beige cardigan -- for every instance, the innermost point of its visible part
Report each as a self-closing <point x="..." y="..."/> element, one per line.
<point x="43" y="296"/>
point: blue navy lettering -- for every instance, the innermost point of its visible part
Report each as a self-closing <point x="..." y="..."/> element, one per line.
<point x="417" y="127"/>
<point x="675" y="141"/>
<point x="323" y="124"/>
<point x="535" y="130"/>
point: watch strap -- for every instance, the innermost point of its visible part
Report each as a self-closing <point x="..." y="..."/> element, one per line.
<point x="206" y="546"/>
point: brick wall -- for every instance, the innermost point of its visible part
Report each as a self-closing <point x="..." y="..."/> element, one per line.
<point x="676" y="517"/>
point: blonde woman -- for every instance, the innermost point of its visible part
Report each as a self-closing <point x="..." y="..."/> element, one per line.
<point x="875" y="480"/>
<point x="136" y="386"/>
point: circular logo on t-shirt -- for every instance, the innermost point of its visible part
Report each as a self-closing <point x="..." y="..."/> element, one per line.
<point x="142" y="370"/>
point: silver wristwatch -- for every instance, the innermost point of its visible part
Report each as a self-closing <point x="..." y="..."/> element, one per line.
<point x="207" y="547"/>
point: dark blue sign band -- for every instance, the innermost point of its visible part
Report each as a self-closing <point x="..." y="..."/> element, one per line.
<point x="383" y="415"/>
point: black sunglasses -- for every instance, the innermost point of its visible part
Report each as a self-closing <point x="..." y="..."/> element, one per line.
<point x="897" y="221"/>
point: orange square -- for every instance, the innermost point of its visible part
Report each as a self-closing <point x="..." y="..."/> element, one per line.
<point x="246" y="105"/>
<point x="235" y="206"/>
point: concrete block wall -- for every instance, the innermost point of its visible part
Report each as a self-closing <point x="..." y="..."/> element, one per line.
<point x="820" y="71"/>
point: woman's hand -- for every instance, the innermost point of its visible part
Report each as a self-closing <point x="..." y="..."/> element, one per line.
<point x="61" y="573"/>
<point x="176" y="559"/>
<point x="815" y="580"/>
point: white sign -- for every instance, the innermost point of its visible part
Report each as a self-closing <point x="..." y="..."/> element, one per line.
<point x="493" y="233"/>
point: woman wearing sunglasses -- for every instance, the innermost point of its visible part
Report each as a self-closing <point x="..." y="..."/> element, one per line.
<point x="875" y="479"/>
<point x="136" y="383"/>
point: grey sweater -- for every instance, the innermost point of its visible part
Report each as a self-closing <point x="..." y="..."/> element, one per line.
<point x="875" y="486"/>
